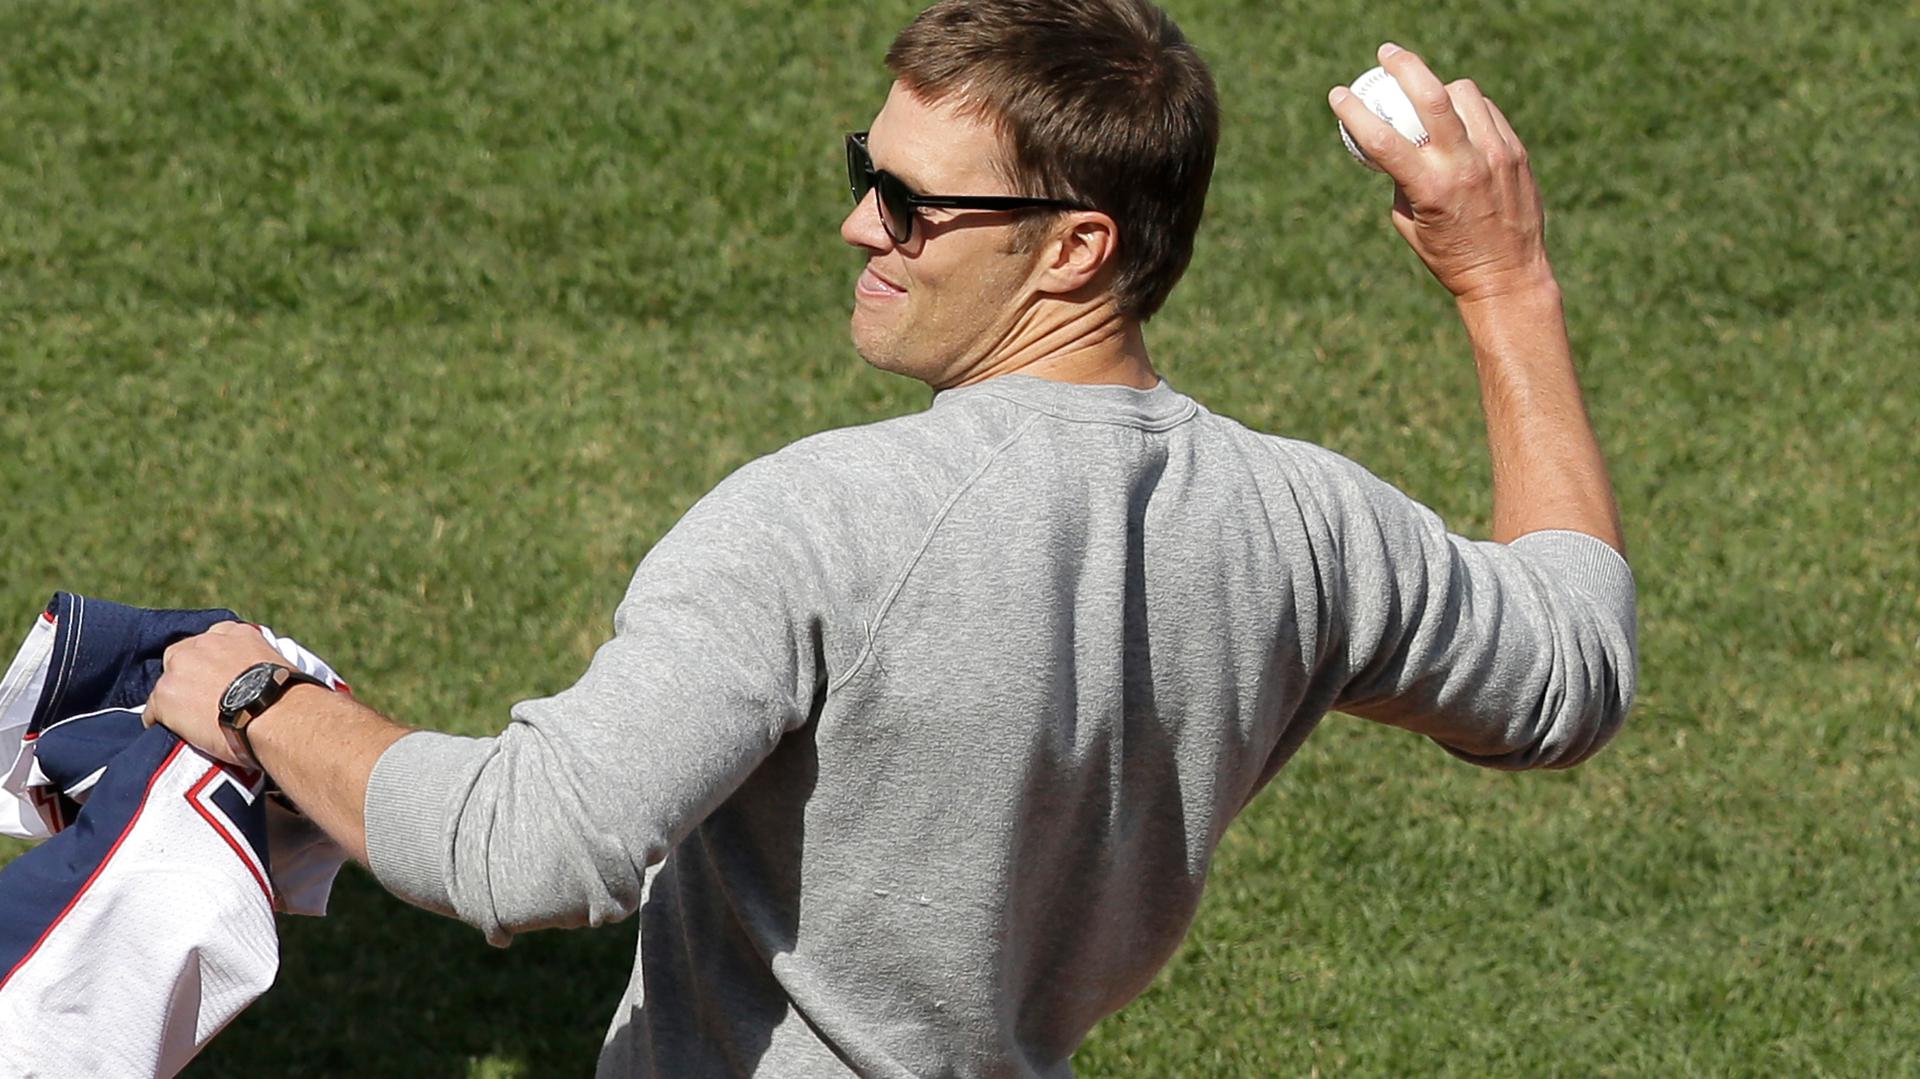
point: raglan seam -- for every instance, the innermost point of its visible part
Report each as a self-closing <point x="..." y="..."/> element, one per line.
<point x="899" y="585"/>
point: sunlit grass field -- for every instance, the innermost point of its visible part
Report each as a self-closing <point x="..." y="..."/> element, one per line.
<point x="407" y="328"/>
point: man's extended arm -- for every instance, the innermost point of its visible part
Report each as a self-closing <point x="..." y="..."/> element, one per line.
<point x="1468" y="205"/>
<point x="553" y="821"/>
<point x="319" y="746"/>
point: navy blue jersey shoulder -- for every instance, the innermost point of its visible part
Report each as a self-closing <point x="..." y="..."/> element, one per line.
<point x="109" y="655"/>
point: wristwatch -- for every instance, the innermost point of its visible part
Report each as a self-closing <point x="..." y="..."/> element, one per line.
<point x="253" y="692"/>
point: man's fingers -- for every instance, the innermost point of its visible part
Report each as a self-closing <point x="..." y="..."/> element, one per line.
<point x="191" y="665"/>
<point x="1471" y="105"/>
<point x="1506" y="132"/>
<point x="1423" y="88"/>
<point x="1376" y="138"/>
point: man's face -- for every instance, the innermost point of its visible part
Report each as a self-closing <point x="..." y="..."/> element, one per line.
<point x="936" y="306"/>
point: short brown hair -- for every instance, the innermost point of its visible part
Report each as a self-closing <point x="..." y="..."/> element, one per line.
<point x="1101" y="102"/>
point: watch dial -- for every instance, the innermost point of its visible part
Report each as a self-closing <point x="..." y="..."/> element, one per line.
<point x="246" y="687"/>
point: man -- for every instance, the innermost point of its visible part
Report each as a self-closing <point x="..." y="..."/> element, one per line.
<point x="914" y="741"/>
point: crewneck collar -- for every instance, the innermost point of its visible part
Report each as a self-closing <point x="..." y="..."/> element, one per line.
<point x="1156" y="409"/>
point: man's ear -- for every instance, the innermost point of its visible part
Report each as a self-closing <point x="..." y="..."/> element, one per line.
<point x="1080" y="252"/>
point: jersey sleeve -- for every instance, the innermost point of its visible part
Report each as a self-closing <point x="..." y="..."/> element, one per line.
<point x="1512" y="656"/>
<point x="716" y="654"/>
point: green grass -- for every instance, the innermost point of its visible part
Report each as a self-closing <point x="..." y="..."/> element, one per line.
<point x="408" y="327"/>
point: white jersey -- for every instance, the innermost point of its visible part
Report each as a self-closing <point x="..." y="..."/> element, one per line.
<point x="144" y="923"/>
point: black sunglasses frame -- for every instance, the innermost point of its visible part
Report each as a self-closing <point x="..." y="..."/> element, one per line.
<point x="897" y="202"/>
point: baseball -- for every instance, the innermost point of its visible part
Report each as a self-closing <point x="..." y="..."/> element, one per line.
<point x="1383" y="97"/>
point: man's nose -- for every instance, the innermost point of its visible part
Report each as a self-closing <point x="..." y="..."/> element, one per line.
<point x="862" y="227"/>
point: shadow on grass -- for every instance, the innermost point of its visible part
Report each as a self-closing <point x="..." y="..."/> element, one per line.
<point x="380" y="988"/>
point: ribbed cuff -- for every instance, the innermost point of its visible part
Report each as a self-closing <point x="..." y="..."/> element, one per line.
<point x="412" y="799"/>
<point x="1588" y="565"/>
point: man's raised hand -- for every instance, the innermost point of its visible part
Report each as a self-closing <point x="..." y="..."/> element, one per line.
<point x="1466" y="202"/>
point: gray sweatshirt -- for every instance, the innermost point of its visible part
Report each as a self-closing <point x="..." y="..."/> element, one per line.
<point x="914" y="740"/>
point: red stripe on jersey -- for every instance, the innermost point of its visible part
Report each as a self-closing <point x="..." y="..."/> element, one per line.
<point x="239" y="851"/>
<point x="99" y="869"/>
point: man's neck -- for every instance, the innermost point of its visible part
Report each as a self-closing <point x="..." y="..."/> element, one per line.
<point x="1090" y="346"/>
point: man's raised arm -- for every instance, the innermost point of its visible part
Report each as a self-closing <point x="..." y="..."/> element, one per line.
<point x="1468" y="204"/>
<point x="1518" y="653"/>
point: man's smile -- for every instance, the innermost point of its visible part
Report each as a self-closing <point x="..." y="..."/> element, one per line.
<point x="875" y="286"/>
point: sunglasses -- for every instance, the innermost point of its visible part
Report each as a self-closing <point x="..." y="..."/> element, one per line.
<point x="898" y="202"/>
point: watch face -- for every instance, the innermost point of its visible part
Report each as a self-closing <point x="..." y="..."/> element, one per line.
<point x="246" y="688"/>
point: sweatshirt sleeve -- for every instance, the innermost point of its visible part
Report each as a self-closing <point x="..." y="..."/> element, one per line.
<point x="1512" y="656"/>
<point x="554" y="822"/>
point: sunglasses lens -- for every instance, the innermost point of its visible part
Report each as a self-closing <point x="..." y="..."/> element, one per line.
<point x="894" y="202"/>
<point x="859" y="170"/>
<point x="896" y="207"/>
